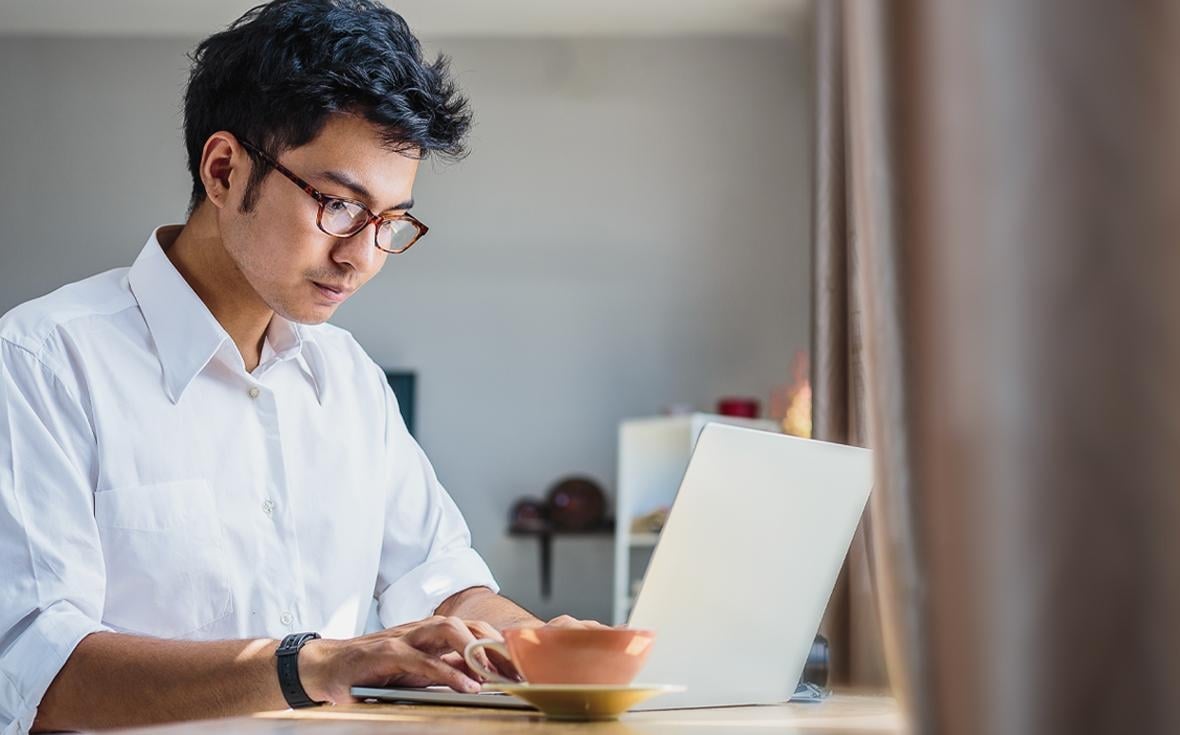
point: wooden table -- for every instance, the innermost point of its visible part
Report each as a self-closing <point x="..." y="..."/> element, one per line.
<point x="842" y="714"/>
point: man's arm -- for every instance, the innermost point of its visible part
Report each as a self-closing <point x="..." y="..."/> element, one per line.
<point x="480" y="603"/>
<point x="117" y="680"/>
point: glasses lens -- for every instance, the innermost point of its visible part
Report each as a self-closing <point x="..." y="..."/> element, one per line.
<point x="343" y="218"/>
<point x="396" y="234"/>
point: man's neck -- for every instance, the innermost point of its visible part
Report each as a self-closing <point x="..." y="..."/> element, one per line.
<point x="200" y="256"/>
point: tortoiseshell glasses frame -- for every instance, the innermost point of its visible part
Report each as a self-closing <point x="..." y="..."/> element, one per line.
<point x="347" y="216"/>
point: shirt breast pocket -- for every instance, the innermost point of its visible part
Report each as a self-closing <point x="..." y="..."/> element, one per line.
<point x="165" y="558"/>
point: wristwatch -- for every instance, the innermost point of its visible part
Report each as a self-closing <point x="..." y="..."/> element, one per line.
<point x="288" y="656"/>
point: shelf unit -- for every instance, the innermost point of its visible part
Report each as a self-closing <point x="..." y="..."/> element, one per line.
<point x="653" y="454"/>
<point x="639" y="540"/>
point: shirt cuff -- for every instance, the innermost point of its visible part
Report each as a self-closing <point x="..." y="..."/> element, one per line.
<point x="419" y="592"/>
<point x="34" y="659"/>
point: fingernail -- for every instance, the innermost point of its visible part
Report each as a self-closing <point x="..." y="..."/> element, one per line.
<point x="471" y="687"/>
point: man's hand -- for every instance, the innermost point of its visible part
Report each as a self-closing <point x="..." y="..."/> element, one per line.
<point x="480" y="603"/>
<point x="566" y="621"/>
<point x="423" y="653"/>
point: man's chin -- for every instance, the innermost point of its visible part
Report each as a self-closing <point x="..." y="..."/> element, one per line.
<point x="309" y="315"/>
<point x="312" y="321"/>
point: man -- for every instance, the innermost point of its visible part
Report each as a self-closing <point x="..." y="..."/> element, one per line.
<point x="194" y="468"/>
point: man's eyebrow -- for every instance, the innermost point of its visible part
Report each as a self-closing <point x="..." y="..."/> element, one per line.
<point x="359" y="189"/>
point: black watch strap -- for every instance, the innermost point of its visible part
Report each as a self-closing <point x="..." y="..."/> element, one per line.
<point x="288" y="656"/>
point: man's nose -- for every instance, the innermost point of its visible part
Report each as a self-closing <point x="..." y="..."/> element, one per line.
<point x="358" y="251"/>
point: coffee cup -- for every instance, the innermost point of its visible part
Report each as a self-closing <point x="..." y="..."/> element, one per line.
<point x="555" y="655"/>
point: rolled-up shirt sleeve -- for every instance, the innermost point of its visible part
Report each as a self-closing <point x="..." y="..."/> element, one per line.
<point x="51" y="563"/>
<point x="426" y="553"/>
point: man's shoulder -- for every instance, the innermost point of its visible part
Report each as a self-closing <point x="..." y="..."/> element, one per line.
<point x="35" y="324"/>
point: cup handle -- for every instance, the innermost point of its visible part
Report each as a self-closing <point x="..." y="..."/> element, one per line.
<point x="477" y="667"/>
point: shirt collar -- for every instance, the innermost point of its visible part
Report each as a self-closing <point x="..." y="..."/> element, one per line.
<point x="286" y="339"/>
<point x="185" y="332"/>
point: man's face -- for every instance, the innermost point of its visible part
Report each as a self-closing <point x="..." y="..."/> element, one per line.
<point x="300" y="272"/>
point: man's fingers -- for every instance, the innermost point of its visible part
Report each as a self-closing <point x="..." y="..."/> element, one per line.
<point x="568" y="621"/>
<point x="443" y="673"/>
<point x="484" y="629"/>
<point x="442" y="635"/>
<point x="439" y="635"/>
<point x="487" y="657"/>
<point x="493" y="659"/>
<point x="423" y="667"/>
<point x="504" y="666"/>
<point x="457" y="661"/>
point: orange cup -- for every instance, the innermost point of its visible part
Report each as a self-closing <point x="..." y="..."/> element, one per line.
<point x="552" y="655"/>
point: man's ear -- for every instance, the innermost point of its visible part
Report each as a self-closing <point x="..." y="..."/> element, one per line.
<point x="224" y="165"/>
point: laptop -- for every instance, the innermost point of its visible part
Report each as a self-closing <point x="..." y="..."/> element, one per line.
<point x="741" y="575"/>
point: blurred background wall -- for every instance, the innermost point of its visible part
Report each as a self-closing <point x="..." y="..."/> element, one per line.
<point x="629" y="231"/>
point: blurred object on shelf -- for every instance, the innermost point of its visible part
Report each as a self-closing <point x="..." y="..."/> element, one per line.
<point x="740" y="406"/>
<point x="652" y="522"/>
<point x="576" y="504"/>
<point x="528" y="514"/>
<point x="790" y="403"/>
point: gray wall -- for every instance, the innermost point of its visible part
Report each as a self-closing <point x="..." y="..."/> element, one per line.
<point x="630" y="231"/>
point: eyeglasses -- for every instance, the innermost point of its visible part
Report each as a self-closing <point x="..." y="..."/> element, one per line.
<point x="344" y="217"/>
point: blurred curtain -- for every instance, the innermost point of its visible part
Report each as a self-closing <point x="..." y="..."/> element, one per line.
<point x="1008" y="300"/>
<point x="839" y="411"/>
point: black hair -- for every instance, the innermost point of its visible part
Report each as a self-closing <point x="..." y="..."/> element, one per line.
<point x="277" y="73"/>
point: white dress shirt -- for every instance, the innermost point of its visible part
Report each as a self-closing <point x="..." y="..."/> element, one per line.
<point x="150" y="485"/>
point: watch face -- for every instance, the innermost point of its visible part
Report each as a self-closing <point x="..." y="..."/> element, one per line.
<point x="294" y="642"/>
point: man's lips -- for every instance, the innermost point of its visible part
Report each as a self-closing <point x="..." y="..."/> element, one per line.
<point x="333" y="292"/>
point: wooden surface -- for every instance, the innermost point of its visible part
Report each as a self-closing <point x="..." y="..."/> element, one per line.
<point x="843" y="713"/>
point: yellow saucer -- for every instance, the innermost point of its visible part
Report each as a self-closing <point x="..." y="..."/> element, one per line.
<point x="584" y="701"/>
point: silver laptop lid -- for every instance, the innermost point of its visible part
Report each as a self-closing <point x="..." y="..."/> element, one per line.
<point x="746" y="563"/>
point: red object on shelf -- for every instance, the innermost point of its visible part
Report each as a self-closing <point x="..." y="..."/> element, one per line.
<point x="528" y="514"/>
<point x="576" y="504"/>
<point x="749" y="408"/>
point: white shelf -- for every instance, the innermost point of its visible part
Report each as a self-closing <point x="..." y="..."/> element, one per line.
<point x="653" y="454"/>
<point x="644" y="539"/>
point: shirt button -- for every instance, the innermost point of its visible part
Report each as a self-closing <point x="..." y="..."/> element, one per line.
<point x="253" y="392"/>
<point x="268" y="506"/>
<point x="286" y="618"/>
